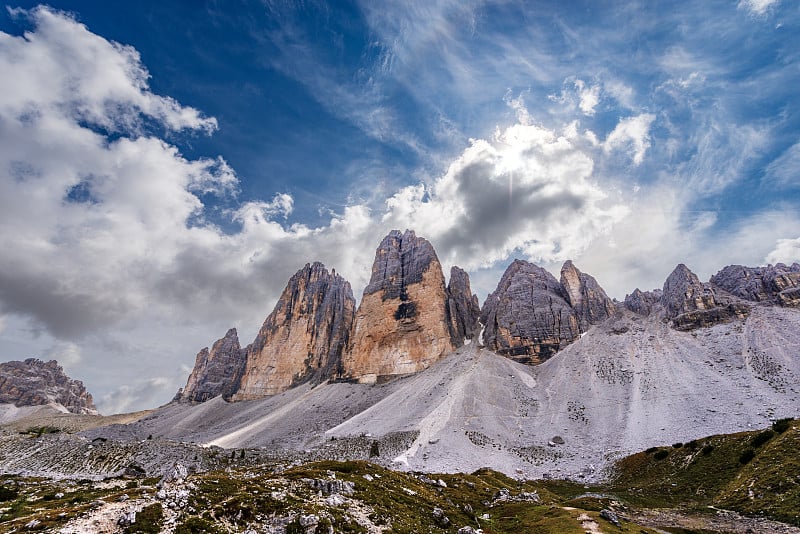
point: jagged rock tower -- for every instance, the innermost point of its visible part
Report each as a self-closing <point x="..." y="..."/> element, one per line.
<point x="216" y="372"/>
<point x="304" y="336"/>
<point x="35" y="383"/>
<point x="531" y="315"/>
<point x="402" y="323"/>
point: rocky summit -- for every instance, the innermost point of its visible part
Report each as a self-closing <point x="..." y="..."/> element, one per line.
<point x="402" y="323"/>
<point x="463" y="308"/>
<point x="531" y="315"/>
<point x="777" y="284"/>
<point x="36" y="383"/>
<point x="303" y="338"/>
<point x="215" y="372"/>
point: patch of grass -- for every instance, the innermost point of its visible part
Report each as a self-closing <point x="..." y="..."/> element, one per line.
<point x="148" y="520"/>
<point x="747" y="455"/>
<point x="782" y="425"/>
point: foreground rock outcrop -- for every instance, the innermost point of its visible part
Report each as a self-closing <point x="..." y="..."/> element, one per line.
<point x="303" y="338"/>
<point x="402" y="324"/>
<point x="35" y="383"/>
<point x="216" y="372"/>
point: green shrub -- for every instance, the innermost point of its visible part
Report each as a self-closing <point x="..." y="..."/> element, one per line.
<point x="747" y="455"/>
<point x="692" y="445"/>
<point x="197" y="525"/>
<point x="651" y="450"/>
<point x="761" y="438"/>
<point x="677" y="445"/>
<point x="661" y="454"/>
<point x="782" y="425"/>
<point x="707" y="449"/>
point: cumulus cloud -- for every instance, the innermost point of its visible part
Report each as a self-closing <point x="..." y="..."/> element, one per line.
<point x="589" y="96"/>
<point x="632" y="135"/>
<point x="786" y="251"/>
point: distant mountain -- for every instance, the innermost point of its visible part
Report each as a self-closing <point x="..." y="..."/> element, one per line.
<point x="35" y="383"/>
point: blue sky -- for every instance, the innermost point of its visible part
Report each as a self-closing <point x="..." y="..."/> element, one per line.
<point x="166" y="166"/>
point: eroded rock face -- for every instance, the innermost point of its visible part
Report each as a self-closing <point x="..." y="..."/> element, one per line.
<point x="691" y="304"/>
<point x="778" y="284"/>
<point x="401" y="326"/>
<point x="528" y="318"/>
<point x="463" y="308"/>
<point x="643" y="302"/>
<point x="587" y="298"/>
<point x="34" y="383"/>
<point x="304" y="336"/>
<point x="216" y="372"/>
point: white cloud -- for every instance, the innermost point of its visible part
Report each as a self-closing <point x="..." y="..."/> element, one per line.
<point x="589" y="96"/>
<point x="633" y="135"/>
<point x="785" y="251"/>
<point x="758" y="7"/>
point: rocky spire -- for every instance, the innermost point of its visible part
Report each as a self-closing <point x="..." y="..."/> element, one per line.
<point x="216" y="372"/>
<point x="34" y="383"/>
<point x="584" y="294"/>
<point x="528" y="317"/>
<point x="401" y="326"/>
<point x="463" y="308"/>
<point x="304" y="336"/>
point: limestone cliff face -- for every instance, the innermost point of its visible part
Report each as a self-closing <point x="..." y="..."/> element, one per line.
<point x="691" y="304"/>
<point x="777" y="284"/>
<point x="402" y="325"/>
<point x="216" y="372"/>
<point x="527" y="317"/>
<point x="463" y="308"/>
<point x="304" y="336"/>
<point x="34" y="383"/>
<point x="587" y="298"/>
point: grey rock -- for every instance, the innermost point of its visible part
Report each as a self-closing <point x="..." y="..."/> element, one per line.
<point x="35" y="383"/>
<point x="643" y="302"/>
<point x="463" y="308"/>
<point x="441" y="519"/>
<point x="587" y="298"/>
<point x="527" y="318"/>
<point x="466" y="530"/>
<point x="329" y="487"/>
<point x="216" y="372"/>
<point x="777" y="284"/>
<point x="400" y="260"/>
<point x="610" y="516"/>
<point x="691" y="304"/>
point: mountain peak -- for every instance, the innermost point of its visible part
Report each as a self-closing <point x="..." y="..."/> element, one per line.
<point x="34" y="382"/>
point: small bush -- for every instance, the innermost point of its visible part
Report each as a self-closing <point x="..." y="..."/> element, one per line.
<point x="761" y="438"/>
<point x="677" y="445"/>
<point x="747" y="455"/>
<point x="374" y="450"/>
<point x="692" y="445"/>
<point x="8" y="494"/>
<point x="661" y="454"/>
<point x="197" y="525"/>
<point x="651" y="450"/>
<point x="707" y="449"/>
<point x="782" y="425"/>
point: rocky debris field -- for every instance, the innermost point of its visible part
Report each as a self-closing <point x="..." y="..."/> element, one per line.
<point x="709" y="485"/>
